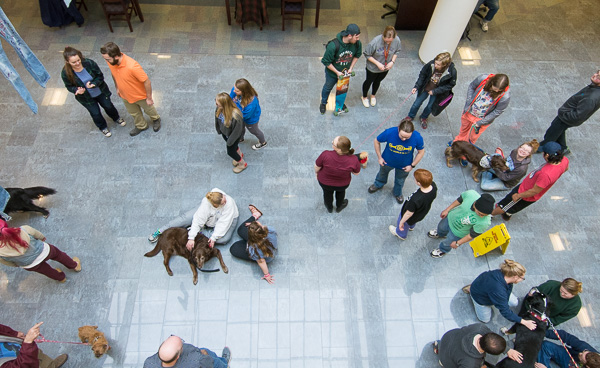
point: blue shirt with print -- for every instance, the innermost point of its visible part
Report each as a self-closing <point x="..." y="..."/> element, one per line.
<point x="399" y="153"/>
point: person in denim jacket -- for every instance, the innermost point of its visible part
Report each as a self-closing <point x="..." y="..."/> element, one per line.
<point x="84" y="78"/>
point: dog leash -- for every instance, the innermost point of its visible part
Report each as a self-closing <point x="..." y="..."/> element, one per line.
<point x="43" y="339"/>
<point x="385" y="120"/>
<point x="562" y="342"/>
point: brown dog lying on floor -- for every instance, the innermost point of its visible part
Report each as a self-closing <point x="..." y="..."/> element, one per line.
<point x="92" y="336"/>
<point x="173" y="241"/>
<point x="474" y="155"/>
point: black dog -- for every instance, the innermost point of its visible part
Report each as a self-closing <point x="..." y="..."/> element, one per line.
<point x="173" y="241"/>
<point x="21" y="199"/>
<point x="528" y="342"/>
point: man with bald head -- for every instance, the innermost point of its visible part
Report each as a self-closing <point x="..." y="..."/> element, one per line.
<point x="174" y="352"/>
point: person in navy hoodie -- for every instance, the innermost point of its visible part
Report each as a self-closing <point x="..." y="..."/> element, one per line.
<point x="246" y="99"/>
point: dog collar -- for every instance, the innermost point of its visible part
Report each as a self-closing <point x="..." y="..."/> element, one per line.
<point x="542" y="317"/>
<point x="95" y="339"/>
<point x="485" y="161"/>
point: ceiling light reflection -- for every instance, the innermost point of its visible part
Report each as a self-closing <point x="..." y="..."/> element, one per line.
<point x="584" y="317"/>
<point x="556" y="241"/>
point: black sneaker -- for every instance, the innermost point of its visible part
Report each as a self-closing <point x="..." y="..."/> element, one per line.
<point x="506" y="217"/>
<point x="322" y="108"/>
<point x="156" y="125"/>
<point x="344" y="205"/>
<point x="373" y="189"/>
<point x="345" y="108"/>
<point x="226" y="354"/>
<point x="400" y="199"/>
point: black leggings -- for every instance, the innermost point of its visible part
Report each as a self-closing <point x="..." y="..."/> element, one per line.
<point x="232" y="150"/>
<point x="340" y="195"/>
<point x="238" y="249"/>
<point x="374" y="79"/>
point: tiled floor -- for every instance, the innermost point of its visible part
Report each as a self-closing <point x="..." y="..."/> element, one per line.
<point x="347" y="293"/>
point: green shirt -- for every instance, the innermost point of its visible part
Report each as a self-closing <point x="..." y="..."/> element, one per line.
<point x="561" y="309"/>
<point x="343" y="59"/>
<point x="464" y="221"/>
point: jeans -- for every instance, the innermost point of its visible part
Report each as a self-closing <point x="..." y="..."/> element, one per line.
<point x="96" y="114"/>
<point x="407" y="227"/>
<point x="557" y="132"/>
<point x="185" y="220"/>
<point x="219" y="362"/>
<point x="28" y="58"/>
<point x="484" y="312"/>
<point x="382" y="178"/>
<point x="421" y="97"/>
<point x="443" y="230"/>
<point x="493" y="6"/>
<point x="328" y="86"/>
<point x="491" y="183"/>
<point x="56" y="255"/>
<point x="555" y="352"/>
<point x="373" y="79"/>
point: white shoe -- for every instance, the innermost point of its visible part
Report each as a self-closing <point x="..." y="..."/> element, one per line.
<point x="373" y="101"/>
<point x="484" y="25"/>
<point x="365" y="102"/>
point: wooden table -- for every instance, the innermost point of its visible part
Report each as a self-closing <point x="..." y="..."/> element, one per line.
<point x="228" y="11"/>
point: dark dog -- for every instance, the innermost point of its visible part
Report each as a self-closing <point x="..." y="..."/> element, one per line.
<point x="528" y="342"/>
<point x="173" y="241"/>
<point x="473" y="155"/>
<point x="22" y="199"/>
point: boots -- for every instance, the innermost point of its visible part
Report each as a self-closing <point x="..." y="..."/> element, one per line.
<point x="239" y="152"/>
<point x="241" y="166"/>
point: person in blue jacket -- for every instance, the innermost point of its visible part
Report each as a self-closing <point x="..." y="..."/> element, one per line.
<point x="583" y="353"/>
<point x="246" y="99"/>
<point x="494" y="288"/>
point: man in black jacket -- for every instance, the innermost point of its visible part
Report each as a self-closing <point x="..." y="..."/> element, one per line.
<point x="580" y="107"/>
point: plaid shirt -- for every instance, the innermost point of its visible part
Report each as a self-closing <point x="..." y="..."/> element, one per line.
<point x="97" y="79"/>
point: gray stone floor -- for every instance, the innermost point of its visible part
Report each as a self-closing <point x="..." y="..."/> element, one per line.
<point x="347" y="293"/>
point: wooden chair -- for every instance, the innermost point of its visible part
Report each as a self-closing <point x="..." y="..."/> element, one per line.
<point x="79" y="3"/>
<point x="121" y="9"/>
<point x="292" y="10"/>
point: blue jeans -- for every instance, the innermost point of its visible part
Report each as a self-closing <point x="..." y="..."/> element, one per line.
<point x="107" y="105"/>
<point x="382" y="178"/>
<point x="491" y="183"/>
<point x="551" y="351"/>
<point x="443" y="230"/>
<point x="28" y="58"/>
<point x="484" y="312"/>
<point x="218" y="361"/>
<point x="421" y="97"/>
<point x="493" y="6"/>
<point x="328" y="86"/>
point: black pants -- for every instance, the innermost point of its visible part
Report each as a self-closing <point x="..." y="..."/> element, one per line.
<point x="340" y="195"/>
<point x="374" y="79"/>
<point x="556" y="133"/>
<point x="232" y="150"/>
<point x="107" y="105"/>
<point x="238" y="249"/>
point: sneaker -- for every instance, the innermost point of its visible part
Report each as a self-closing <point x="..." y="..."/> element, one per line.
<point x="464" y="163"/>
<point x="505" y="217"/>
<point x="365" y="102"/>
<point x="329" y="209"/>
<point x="121" y="122"/>
<point x="373" y="101"/>
<point x="411" y="228"/>
<point x="373" y="189"/>
<point x="434" y="235"/>
<point x="239" y="167"/>
<point x="423" y="123"/>
<point x="154" y="237"/>
<point x="436" y="347"/>
<point x="60" y="361"/>
<point x="437" y="253"/>
<point x="106" y="132"/>
<point x="322" y="108"/>
<point x="392" y="230"/>
<point x="408" y="118"/>
<point x="258" y="146"/>
<point x="484" y="25"/>
<point x="226" y="354"/>
<point x="241" y="140"/>
<point x="467" y="289"/>
<point x="344" y="205"/>
<point x="135" y="131"/>
<point x="337" y="112"/>
<point x="449" y="144"/>
<point x="400" y="199"/>
<point x="156" y="125"/>
<point x="78" y="261"/>
<point x="345" y="108"/>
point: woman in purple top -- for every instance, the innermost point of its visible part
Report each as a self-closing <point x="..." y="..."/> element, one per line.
<point x="333" y="170"/>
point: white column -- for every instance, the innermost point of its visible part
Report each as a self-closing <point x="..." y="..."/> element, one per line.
<point x="447" y="24"/>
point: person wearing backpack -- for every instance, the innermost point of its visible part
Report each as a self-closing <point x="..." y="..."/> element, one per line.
<point x="340" y="53"/>
<point x="487" y="98"/>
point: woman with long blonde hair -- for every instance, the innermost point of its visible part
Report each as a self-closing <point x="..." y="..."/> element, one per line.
<point x="229" y="124"/>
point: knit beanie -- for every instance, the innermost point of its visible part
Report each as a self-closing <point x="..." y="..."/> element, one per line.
<point x="485" y="204"/>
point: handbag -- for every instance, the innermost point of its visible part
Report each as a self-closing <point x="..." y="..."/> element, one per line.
<point x="441" y="102"/>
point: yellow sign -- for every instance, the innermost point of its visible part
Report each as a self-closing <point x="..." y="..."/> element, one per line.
<point x="495" y="237"/>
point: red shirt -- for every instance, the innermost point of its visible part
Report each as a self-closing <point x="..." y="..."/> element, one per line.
<point x="544" y="177"/>
<point x="335" y="169"/>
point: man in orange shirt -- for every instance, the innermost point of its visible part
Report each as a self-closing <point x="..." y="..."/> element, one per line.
<point x="133" y="86"/>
